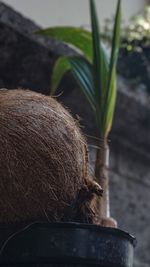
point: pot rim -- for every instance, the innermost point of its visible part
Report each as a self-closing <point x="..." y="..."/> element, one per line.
<point x="76" y="225"/>
<point x="121" y="242"/>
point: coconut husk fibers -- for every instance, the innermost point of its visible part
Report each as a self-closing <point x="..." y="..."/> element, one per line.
<point x="43" y="161"/>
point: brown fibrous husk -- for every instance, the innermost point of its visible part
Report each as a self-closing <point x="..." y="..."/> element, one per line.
<point x="43" y="161"/>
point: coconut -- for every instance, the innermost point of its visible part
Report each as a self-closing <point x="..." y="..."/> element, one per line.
<point x="43" y="161"/>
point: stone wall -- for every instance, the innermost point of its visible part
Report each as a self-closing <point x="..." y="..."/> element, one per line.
<point x="26" y="61"/>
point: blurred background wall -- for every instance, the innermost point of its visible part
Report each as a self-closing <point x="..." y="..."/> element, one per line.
<point x="26" y="61"/>
<point x="72" y="12"/>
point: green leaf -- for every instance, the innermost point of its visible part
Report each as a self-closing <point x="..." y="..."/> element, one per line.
<point x="82" y="71"/>
<point x="96" y="52"/>
<point x="111" y="89"/>
<point x="111" y="102"/>
<point x="62" y="65"/>
<point x="101" y="68"/>
<point x="77" y="37"/>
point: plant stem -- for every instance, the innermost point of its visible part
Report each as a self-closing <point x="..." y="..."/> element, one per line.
<point x="101" y="174"/>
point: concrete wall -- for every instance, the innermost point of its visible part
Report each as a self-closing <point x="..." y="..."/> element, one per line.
<point x="72" y="12"/>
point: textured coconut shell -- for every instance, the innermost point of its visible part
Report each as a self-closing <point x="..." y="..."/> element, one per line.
<point x="43" y="161"/>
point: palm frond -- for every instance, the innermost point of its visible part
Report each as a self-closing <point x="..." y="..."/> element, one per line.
<point x="82" y="71"/>
<point x="62" y="65"/>
<point x="96" y="73"/>
<point x="77" y="37"/>
<point x="111" y="88"/>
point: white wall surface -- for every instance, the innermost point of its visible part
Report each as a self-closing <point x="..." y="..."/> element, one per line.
<point x="72" y="12"/>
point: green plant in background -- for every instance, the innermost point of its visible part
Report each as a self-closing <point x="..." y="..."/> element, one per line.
<point x="95" y="72"/>
<point x="139" y="28"/>
<point x="136" y="34"/>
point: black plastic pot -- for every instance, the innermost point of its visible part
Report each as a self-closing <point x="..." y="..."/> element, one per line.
<point x="68" y="244"/>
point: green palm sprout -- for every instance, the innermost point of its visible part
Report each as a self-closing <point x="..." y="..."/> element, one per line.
<point x="93" y="69"/>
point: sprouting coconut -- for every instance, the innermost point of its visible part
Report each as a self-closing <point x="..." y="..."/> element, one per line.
<point x="43" y="161"/>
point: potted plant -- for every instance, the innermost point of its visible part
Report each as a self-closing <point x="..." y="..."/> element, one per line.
<point x="95" y="72"/>
<point x="72" y="243"/>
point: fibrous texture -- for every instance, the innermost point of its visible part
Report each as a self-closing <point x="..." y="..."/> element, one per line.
<point x="43" y="161"/>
